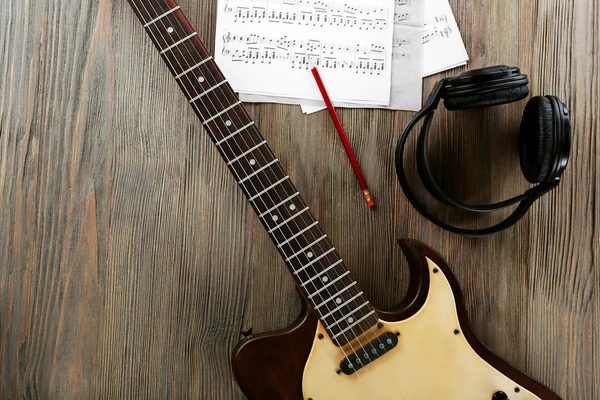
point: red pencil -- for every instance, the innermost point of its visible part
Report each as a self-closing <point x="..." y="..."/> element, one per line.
<point x="345" y="141"/>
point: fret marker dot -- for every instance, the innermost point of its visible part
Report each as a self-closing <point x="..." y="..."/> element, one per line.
<point x="228" y="123"/>
<point x="325" y="279"/>
<point x="292" y="207"/>
<point x="252" y="162"/>
<point x="350" y="320"/>
<point x="170" y="30"/>
<point x="338" y="300"/>
<point x="309" y="254"/>
<point x="275" y="218"/>
<point x="200" y="79"/>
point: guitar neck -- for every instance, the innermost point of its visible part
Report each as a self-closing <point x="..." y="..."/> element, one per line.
<point x="315" y="265"/>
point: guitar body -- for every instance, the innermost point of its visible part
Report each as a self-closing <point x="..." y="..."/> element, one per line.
<point x="437" y="355"/>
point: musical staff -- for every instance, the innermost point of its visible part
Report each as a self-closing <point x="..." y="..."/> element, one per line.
<point x="401" y="41"/>
<point x="300" y="54"/>
<point x="308" y="13"/>
<point x="401" y="56"/>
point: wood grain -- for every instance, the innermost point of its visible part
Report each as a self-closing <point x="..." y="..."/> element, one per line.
<point x="130" y="262"/>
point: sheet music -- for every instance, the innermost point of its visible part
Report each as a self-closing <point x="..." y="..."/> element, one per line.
<point x="407" y="64"/>
<point x="407" y="54"/>
<point x="268" y="46"/>
<point x="444" y="46"/>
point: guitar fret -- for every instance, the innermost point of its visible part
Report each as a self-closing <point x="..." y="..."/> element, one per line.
<point x="353" y="325"/>
<point x="345" y="317"/>
<point x="161" y="16"/>
<point x="251" y="160"/>
<point x="247" y="152"/>
<point x="234" y="133"/>
<point x="171" y="47"/>
<point x="351" y="299"/>
<point x="315" y="260"/>
<point x="279" y="182"/>
<point x="306" y="248"/>
<point x="288" y="220"/>
<point x="258" y="171"/>
<point x="335" y="264"/>
<point x="337" y="294"/>
<point x="194" y="67"/>
<point x="297" y="234"/>
<point x="333" y="282"/>
<point x="222" y="112"/>
<point x="279" y="205"/>
<point x="208" y="91"/>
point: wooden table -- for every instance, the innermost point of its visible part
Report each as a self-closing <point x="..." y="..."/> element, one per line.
<point x="130" y="261"/>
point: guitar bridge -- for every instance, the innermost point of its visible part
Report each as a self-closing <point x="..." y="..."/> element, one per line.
<point x="369" y="353"/>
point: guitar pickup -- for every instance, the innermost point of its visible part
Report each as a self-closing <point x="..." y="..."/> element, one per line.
<point x="369" y="353"/>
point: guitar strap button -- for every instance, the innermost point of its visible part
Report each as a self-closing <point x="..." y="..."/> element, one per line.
<point x="247" y="333"/>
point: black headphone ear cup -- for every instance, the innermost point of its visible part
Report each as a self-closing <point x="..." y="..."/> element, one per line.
<point x="537" y="140"/>
<point x="493" y="98"/>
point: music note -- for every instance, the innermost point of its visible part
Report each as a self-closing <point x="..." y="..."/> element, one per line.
<point x="400" y="17"/>
<point x="436" y="28"/>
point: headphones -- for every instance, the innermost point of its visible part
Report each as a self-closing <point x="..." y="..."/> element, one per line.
<point x="544" y="140"/>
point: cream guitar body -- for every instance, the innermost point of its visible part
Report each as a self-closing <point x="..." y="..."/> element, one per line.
<point x="436" y="355"/>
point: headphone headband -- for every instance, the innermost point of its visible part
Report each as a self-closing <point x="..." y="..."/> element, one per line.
<point x="478" y="81"/>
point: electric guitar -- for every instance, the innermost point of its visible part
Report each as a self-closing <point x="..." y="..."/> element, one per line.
<point x="341" y="347"/>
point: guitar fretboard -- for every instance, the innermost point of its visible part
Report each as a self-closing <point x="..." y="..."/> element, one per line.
<point x="316" y="266"/>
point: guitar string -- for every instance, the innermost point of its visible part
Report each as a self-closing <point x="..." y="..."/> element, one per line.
<point x="268" y="224"/>
<point x="357" y="307"/>
<point x="255" y="188"/>
<point x="271" y="199"/>
<point x="162" y="23"/>
<point x="362" y="347"/>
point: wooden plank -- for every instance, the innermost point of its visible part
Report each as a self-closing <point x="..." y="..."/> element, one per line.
<point x="561" y="265"/>
<point x="56" y="111"/>
<point x="130" y="261"/>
